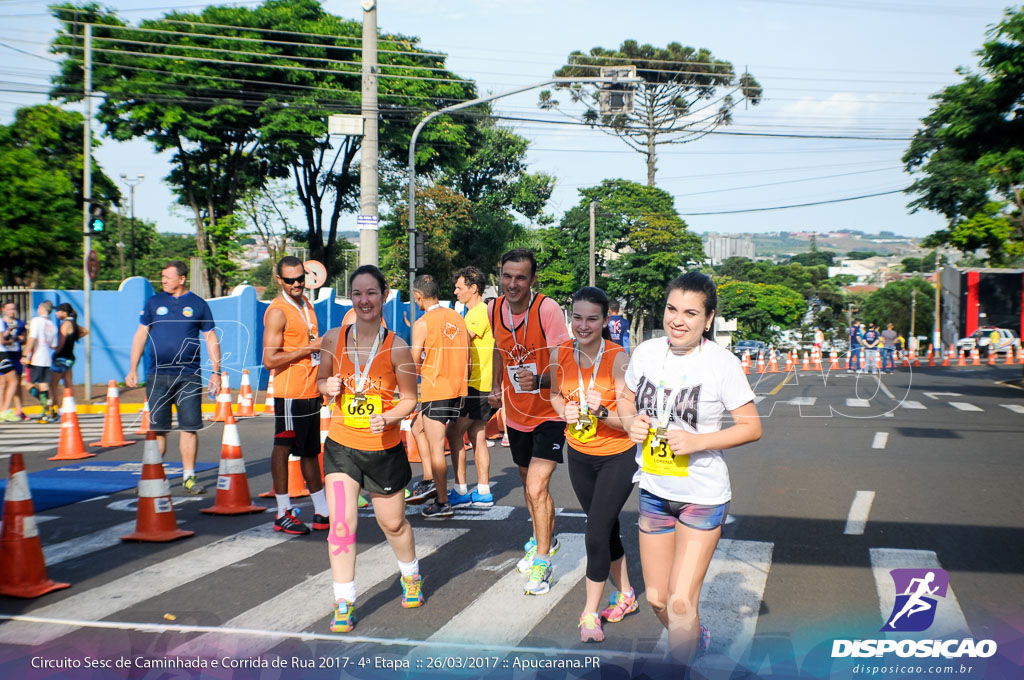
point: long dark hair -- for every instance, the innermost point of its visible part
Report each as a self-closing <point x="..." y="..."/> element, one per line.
<point x="72" y="316"/>
<point x="372" y="271"/>
<point x="695" y="282"/>
<point x="597" y="297"/>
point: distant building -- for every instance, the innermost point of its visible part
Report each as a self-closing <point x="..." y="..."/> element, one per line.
<point x="981" y="297"/>
<point x="720" y="247"/>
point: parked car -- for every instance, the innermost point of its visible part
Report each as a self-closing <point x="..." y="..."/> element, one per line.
<point x="752" y="346"/>
<point x="990" y="339"/>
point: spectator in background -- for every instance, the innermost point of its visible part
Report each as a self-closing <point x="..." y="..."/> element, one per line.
<point x="12" y="337"/>
<point x="872" y="340"/>
<point x="618" y="326"/>
<point x="855" y="338"/>
<point x="889" y="340"/>
<point x="69" y="332"/>
<point x="42" y="339"/>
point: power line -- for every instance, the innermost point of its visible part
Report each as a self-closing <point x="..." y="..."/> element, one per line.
<point x="794" y="205"/>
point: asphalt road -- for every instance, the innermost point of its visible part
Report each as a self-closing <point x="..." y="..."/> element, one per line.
<point x="853" y="476"/>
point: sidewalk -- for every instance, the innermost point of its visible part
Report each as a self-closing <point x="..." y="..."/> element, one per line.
<point x="130" y="398"/>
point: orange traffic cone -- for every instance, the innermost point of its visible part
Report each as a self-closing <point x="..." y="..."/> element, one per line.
<point x="1020" y="355"/>
<point x="816" y="359"/>
<point x="71" y="446"/>
<point x="931" y="355"/>
<point x="325" y="424"/>
<point x="833" y="360"/>
<point x="113" y="434"/>
<point x="155" y="521"/>
<point x="268" y="405"/>
<point x="495" y="426"/>
<point x="232" y="485"/>
<point x="760" y="362"/>
<point x="223" y="401"/>
<point x="945" y="357"/>
<point x="144" y="425"/>
<point x="1009" y="357"/>
<point x="22" y="566"/>
<point x="806" y="365"/>
<point x="975" y="357"/>
<point x="246" y="409"/>
<point x="789" y="363"/>
<point x="991" y="357"/>
<point x="962" y="361"/>
<point x="773" y="363"/>
<point x="412" y="452"/>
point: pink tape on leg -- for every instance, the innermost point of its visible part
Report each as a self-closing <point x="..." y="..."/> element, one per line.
<point x="340" y="535"/>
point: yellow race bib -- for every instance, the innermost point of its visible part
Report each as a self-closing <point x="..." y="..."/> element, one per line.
<point x="658" y="460"/>
<point x="357" y="412"/>
<point x="584" y="430"/>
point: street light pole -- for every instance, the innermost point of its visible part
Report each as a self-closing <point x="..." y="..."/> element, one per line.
<point x="132" y="182"/>
<point x="465" y="105"/>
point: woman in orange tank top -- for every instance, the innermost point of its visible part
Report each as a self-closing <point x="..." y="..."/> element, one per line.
<point x="363" y="366"/>
<point x="586" y="375"/>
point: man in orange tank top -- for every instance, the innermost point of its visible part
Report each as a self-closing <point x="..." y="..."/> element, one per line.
<point x="291" y="345"/>
<point x="526" y="326"/>
<point x="440" y="348"/>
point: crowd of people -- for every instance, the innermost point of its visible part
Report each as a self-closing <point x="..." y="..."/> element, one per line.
<point x="872" y="349"/>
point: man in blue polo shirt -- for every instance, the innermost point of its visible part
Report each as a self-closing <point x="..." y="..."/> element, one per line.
<point x="172" y="321"/>
<point x="618" y="326"/>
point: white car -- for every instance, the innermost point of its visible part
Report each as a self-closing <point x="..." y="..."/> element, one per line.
<point x="990" y="339"/>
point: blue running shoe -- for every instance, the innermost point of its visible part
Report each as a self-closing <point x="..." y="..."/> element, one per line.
<point x="481" y="500"/>
<point x="455" y="499"/>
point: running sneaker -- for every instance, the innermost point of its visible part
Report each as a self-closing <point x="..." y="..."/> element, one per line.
<point x="438" y="511"/>
<point x="455" y="498"/>
<point x="412" y="591"/>
<point x="524" y="565"/>
<point x="590" y="628"/>
<point x="289" y="523"/>
<point x="422" y="492"/>
<point x="320" y="522"/>
<point x="45" y="418"/>
<point x="344" y="617"/>
<point x="622" y="603"/>
<point x="504" y="440"/>
<point x="9" y="417"/>
<point x="192" y="486"/>
<point x="481" y="500"/>
<point x="363" y="503"/>
<point x="540" y="579"/>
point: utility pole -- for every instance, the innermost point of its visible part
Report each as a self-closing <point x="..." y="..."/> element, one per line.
<point x="368" y="216"/>
<point x="593" y="259"/>
<point x="131" y="182"/>
<point x="86" y="207"/>
<point x="913" y="314"/>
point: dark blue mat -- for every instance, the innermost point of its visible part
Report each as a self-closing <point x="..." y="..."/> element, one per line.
<point x="88" y="479"/>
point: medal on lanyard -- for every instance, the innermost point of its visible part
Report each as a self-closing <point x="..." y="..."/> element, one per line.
<point x="664" y="400"/>
<point x="362" y="373"/>
<point x="526" y="325"/>
<point x="584" y="408"/>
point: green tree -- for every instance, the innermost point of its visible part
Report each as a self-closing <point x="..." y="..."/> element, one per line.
<point x="911" y="264"/>
<point x="678" y="102"/>
<point x="971" y="149"/>
<point x="892" y="304"/>
<point x="861" y="254"/>
<point x="760" y="309"/>
<point x="41" y="196"/>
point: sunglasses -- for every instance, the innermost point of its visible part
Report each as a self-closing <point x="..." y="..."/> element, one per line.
<point x="290" y="280"/>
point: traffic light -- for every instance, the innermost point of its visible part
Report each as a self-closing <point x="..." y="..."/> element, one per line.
<point x="421" y="252"/>
<point x="97" y="219"/>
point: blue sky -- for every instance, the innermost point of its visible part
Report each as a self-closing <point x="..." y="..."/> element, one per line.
<point x="852" y="68"/>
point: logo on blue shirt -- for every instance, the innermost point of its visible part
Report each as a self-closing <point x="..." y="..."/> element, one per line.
<point x="160" y="311"/>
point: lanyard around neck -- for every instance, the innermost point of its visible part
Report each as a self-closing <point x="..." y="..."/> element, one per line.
<point x="362" y="372"/>
<point x="304" y="310"/>
<point x="584" y="409"/>
<point x="526" y="321"/>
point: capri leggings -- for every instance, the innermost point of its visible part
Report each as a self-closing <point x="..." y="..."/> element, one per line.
<point x="602" y="485"/>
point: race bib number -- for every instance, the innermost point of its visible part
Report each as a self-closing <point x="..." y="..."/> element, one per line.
<point x="314" y="359"/>
<point x="658" y="459"/>
<point x="585" y="429"/>
<point x="513" y="376"/>
<point x="357" y="412"/>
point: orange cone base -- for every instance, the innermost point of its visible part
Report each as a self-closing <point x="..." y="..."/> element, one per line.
<point x="111" y="445"/>
<point x="76" y="456"/>
<point x="19" y="561"/>
<point x="225" y="509"/>
<point x="157" y="536"/>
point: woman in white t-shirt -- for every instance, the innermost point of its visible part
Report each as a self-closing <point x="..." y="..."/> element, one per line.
<point x="677" y="390"/>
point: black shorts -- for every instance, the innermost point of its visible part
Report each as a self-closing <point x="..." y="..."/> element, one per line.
<point x="10" y="361"/>
<point x="442" y="410"/>
<point x="384" y="472"/>
<point x="297" y="424"/>
<point x="38" y="374"/>
<point x="545" y="442"/>
<point x="475" y="406"/>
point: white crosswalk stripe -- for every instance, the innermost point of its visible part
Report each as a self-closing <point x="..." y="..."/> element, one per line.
<point x="1016" y="408"/>
<point x="30" y="437"/>
<point x="964" y="406"/>
<point x="911" y="404"/>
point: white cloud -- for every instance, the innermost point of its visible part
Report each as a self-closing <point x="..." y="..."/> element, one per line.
<point x="842" y="109"/>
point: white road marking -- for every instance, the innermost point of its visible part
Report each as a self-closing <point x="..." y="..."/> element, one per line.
<point x="801" y="401"/>
<point x="936" y="395"/>
<point x="304" y="605"/>
<point x="494" y="513"/>
<point x="880" y="440"/>
<point x="505" y="602"/>
<point x="949" y="619"/>
<point x="860" y="508"/>
<point x="83" y="545"/>
<point x="858" y="403"/>
<point x="758" y="399"/>
<point x="114" y="596"/>
<point x="881" y="386"/>
<point x="1016" y="408"/>
<point x="910" y="403"/>
<point x="964" y="406"/>
<point x="730" y="599"/>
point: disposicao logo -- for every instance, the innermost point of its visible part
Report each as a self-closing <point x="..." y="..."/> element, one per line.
<point x="919" y="594"/>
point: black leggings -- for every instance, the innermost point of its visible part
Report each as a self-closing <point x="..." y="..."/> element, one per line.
<point x="610" y="480"/>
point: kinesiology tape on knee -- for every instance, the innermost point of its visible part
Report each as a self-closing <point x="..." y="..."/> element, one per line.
<point x="340" y="535"/>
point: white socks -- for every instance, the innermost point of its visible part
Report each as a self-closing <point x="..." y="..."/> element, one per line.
<point x="284" y="503"/>
<point x="345" y="591"/>
<point x="319" y="502"/>
<point x="409" y="568"/>
<point x="483" y="489"/>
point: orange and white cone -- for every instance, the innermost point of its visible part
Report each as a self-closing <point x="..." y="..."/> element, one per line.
<point x="760" y="362"/>
<point x="220" y="415"/>
<point x="412" y="452"/>
<point x="144" y="425"/>
<point x="22" y="565"/>
<point x="268" y="405"/>
<point x="833" y="360"/>
<point x="945" y="357"/>
<point x="113" y="434"/>
<point x="1009" y="357"/>
<point x="155" y="521"/>
<point x="71" y="446"/>
<point x="806" y="365"/>
<point x="745" y="363"/>
<point x="962" y="360"/>
<point x="816" y="359"/>
<point x="773" y="363"/>
<point x="991" y="357"/>
<point x="246" y="409"/>
<point x="495" y="426"/>
<point x="233" y="496"/>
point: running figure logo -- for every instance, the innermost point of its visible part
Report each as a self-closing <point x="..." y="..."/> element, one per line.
<point x="914" y="610"/>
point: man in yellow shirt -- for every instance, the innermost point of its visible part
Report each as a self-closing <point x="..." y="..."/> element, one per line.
<point x="469" y="287"/>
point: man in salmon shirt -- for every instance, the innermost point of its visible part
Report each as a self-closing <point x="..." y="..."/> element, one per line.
<point x="291" y="345"/>
<point x="526" y="325"/>
<point x="440" y="348"/>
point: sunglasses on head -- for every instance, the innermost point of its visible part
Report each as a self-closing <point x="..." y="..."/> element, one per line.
<point x="296" y="279"/>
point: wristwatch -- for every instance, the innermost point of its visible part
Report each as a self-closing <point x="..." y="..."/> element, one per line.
<point x="602" y="412"/>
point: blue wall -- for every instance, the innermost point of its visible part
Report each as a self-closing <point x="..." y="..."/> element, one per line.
<point x="238" y="318"/>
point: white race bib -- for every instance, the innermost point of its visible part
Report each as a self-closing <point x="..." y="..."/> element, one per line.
<point x="513" y="376"/>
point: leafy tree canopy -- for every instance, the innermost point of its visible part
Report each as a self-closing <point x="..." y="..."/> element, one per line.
<point x="893" y="303"/>
<point x="761" y="309"/>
